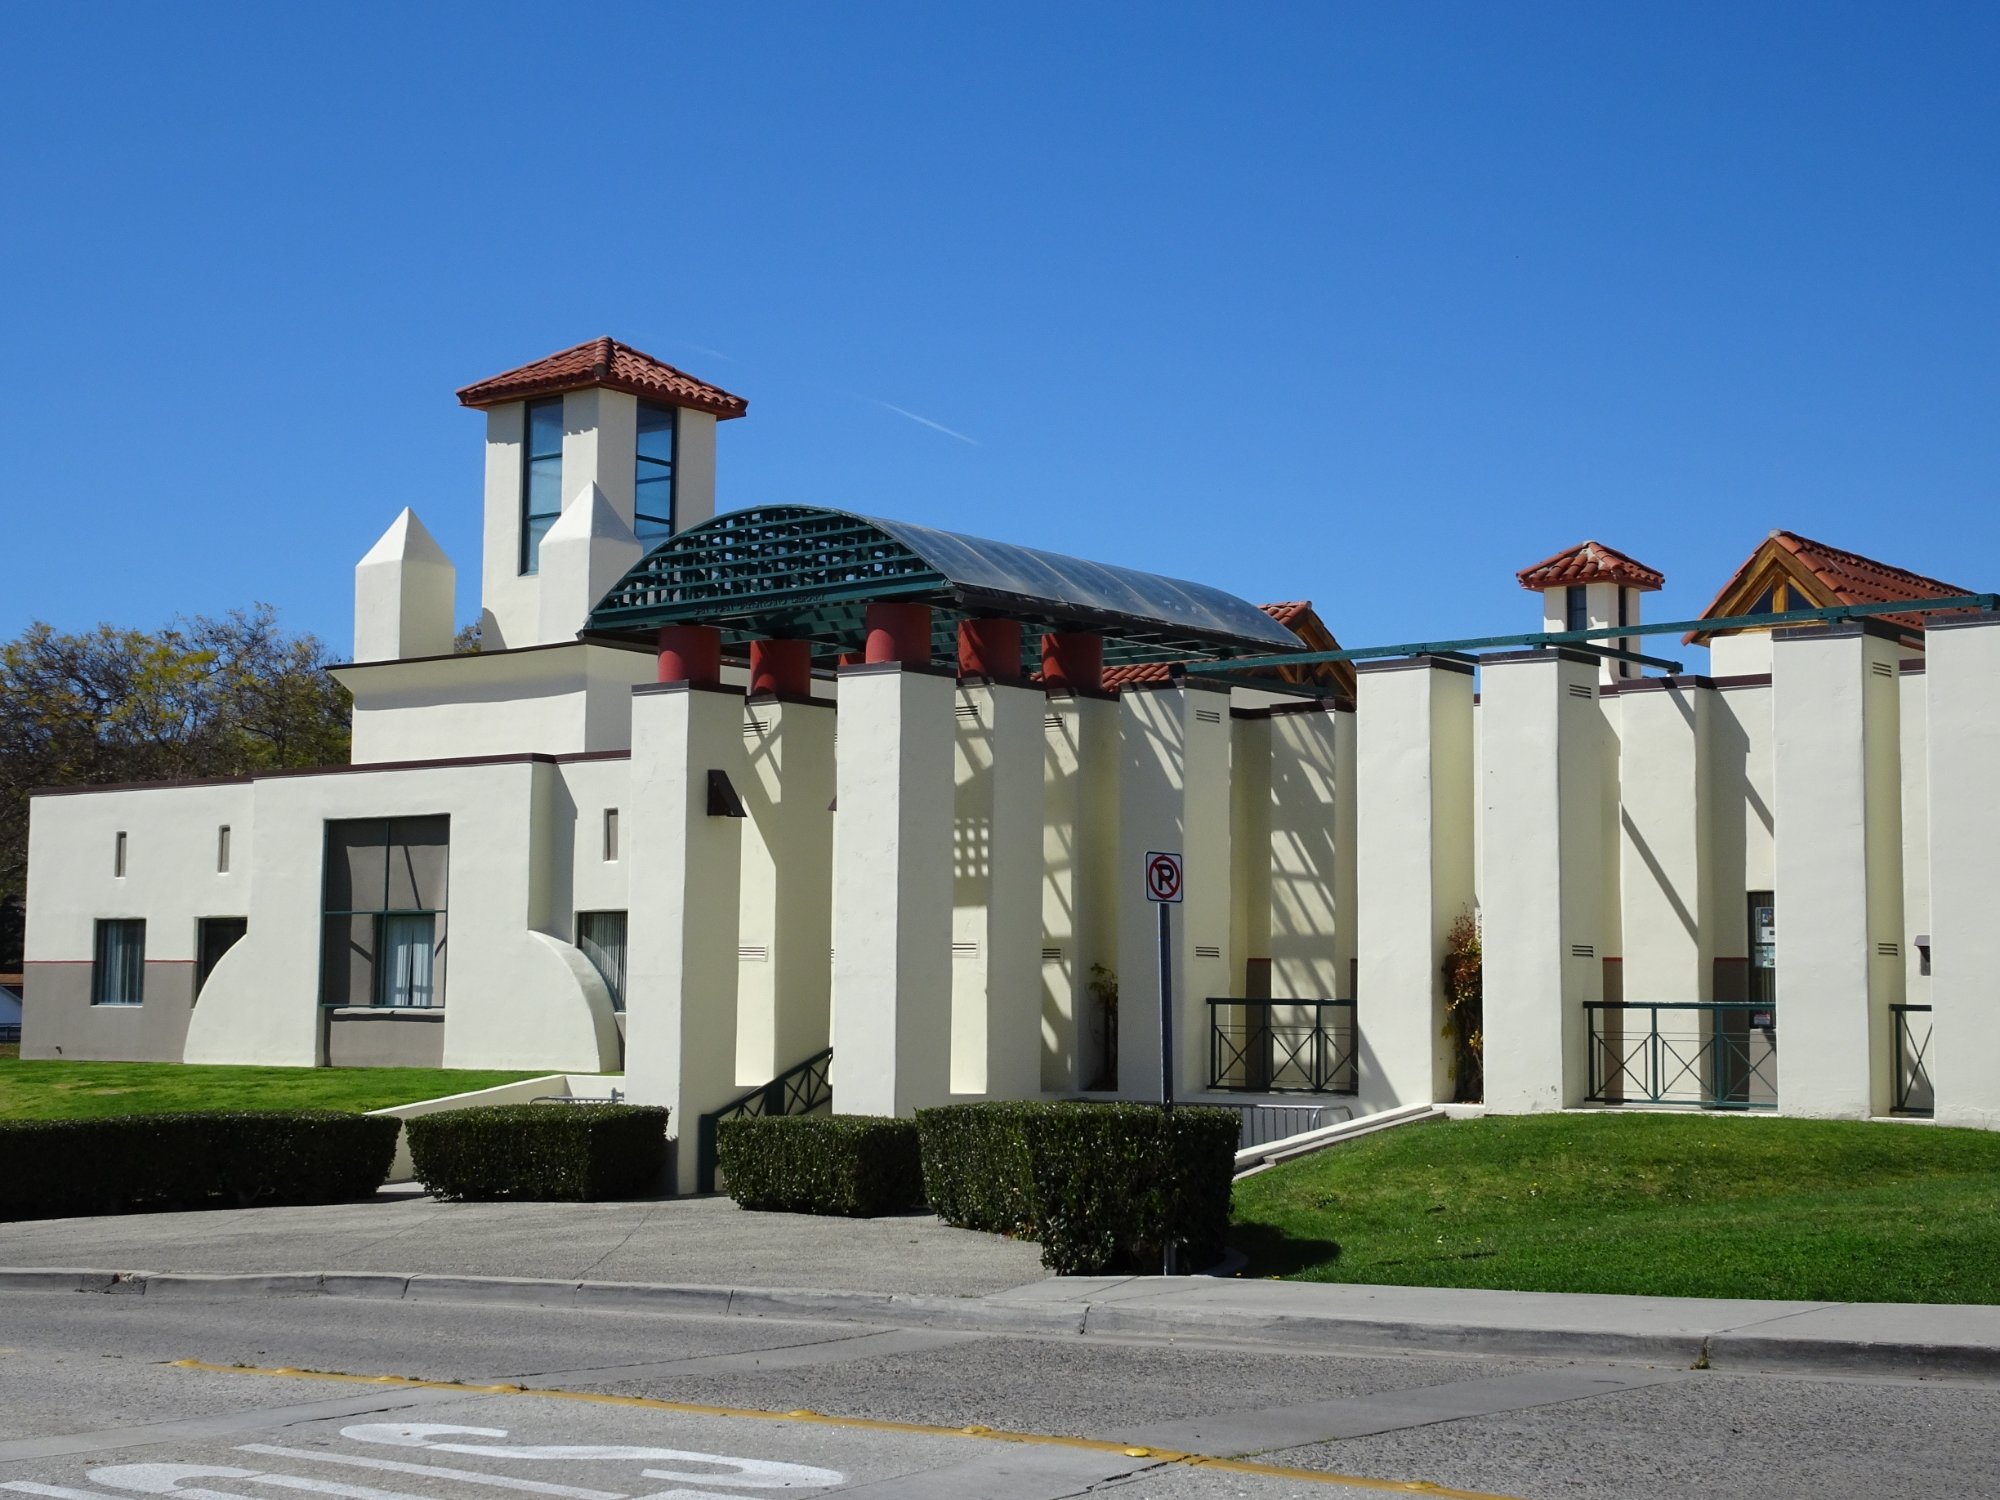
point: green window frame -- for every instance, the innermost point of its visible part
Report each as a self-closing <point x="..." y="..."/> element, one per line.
<point x="385" y="912"/>
<point x="118" y="962"/>
<point x="541" y="477"/>
<point x="653" y="474"/>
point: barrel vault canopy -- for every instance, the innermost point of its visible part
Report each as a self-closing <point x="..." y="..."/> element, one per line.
<point x="801" y="573"/>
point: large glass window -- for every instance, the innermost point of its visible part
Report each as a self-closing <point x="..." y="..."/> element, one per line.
<point x="384" y="939"/>
<point x="653" y="476"/>
<point x="601" y="936"/>
<point x="118" y="974"/>
<point x="541" y="479"/>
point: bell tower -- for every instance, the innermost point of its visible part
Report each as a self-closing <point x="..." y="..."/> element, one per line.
<point x="1593" y="587"/>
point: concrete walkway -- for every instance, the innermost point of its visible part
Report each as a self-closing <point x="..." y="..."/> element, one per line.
<point x="707" y="1256"/>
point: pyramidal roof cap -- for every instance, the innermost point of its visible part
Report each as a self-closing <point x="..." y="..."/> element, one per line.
<point x="407" y="540"/>
<point x="604" y="362"/>
<point x="1590" y="562"/>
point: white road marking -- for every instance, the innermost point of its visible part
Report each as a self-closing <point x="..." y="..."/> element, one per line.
<point x="744" y="1473"/>
<point x="464" y="1476"/>
<point x="52" y="1491"/>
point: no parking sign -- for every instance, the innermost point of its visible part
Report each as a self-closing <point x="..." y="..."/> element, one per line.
<point x="1163" y="876"/>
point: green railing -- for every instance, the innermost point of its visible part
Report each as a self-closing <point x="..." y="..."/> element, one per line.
<point x="1718" y="1054"/>
<point x="1910" y="1063"/>
<point x="797" y="1091"/>
<point x="1281" y="1046"/>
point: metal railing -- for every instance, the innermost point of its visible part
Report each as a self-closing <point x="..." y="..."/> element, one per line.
<point x="1910" y="1062"/>
<point x="1719" y="1054"/>
<point x="10" y="1032"/>
<point x="798" y="1090"/>
<point x="1281" y="1046"/>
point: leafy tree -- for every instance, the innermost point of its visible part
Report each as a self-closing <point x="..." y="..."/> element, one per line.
<point x="203" y="697"/>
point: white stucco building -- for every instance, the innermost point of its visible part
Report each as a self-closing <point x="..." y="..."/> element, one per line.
<point x="723" y="792"/>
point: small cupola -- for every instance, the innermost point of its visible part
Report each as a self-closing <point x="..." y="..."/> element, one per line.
<point x="1593" y="587"/>
<point x="629" y="436"/>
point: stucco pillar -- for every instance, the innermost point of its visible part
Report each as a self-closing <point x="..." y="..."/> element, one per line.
<point x="1173" y="795"/>
<point x="784" y="971"/>
<point x="1303" y="918"/>
<point x="403" y="595"/>
<point x="680" y="1007"/>
<point x="996" y="924"/>
<point x="1079" y="902"/>
<point x="1541" y="849"/>
<point x="1962" y="679"/>
<point x="1835" y="728"/>
<point x="892" y="897"/>
<point x="1665" y="811"/>
<point x="1413" y="817"/>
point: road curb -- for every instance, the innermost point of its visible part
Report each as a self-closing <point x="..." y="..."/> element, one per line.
<point x="1745" y="1350"/>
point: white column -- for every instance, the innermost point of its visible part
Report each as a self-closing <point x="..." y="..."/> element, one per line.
<point x="1173" y="795"/>
<point x="892" y="891"/>
<point x="1839" y="867"/>
<point x="1304" y="921"/>
<point x="1542" y="847"/>
<point x="1414" y="813"/>
<point x="785" y="968"/>
<point x="1962" y="679"/>
<point x="680" y="1008"/>
<point x="1664" y="815"/>
<point x="404" y="595"/>
<point x="996" y="990"/>
<point x="1079" y="902"/>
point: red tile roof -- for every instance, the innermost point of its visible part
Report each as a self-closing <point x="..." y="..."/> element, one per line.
<point x="1844" y="577"/>
<point x="604" y="362"/>
<point x="1590" y="562"/>
<point x="1295" y="615"/>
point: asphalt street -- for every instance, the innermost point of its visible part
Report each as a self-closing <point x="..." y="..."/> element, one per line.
<point x="104" y="1397"/>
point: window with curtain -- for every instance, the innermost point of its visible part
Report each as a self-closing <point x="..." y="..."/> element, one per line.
<point x="601" y="936"/>
<point x="385" y="912"/>
<point x="653" y="476"/>
<point x="541" y="478"/>
<point x="118" y="972"/>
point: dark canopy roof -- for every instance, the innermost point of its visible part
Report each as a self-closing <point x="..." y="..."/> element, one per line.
<point x="796" y="572"/>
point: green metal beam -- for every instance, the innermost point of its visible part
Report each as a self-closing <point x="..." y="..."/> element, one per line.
<point x="1586" y="638"/>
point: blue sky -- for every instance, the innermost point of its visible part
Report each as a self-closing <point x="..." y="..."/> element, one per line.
<point x="1372" y="305"/>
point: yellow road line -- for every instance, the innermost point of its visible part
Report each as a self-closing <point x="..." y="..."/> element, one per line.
<point x="869" y="1424"/>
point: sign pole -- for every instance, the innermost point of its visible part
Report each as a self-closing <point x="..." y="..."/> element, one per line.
<point x="1166" y="1054"/>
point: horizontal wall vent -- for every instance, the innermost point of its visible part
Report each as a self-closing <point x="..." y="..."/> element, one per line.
<point x="1888" y="950"/>
<point x="1582" y="690"/>
<point x="753" y="955"/>
<point x="965" y="950"/>
<point x="1582" y="950"/>
<point x="1208" y="715"/>
<point x="968" y="710"/>
<point x="1052" y="955"/>
<point x="1881" y="669"/>
<point x="1203" y="950"/>
<point x="754" y="726"/>
<point x="1052" y="721"/>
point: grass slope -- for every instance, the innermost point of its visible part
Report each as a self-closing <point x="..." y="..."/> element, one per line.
<point x="1675" y="1205"/>
<point x="61" y="1090"/>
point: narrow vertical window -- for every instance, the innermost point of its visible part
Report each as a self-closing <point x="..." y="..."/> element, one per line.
<point x="118" y="856"/>
<point x="118" y="970"/>
<point x="610" y="835"/>
<point x="1576" y="608"/>
<point x="541" y="478"/>
<point x="601" y="936"/>
<point x="653" y="476"/>
<point x="222" y="850"/>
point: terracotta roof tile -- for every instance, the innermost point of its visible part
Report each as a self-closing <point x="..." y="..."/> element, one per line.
<point x="604" y="362"/>
<point x="1295" y="615"/>
<point x="1590" y="562"/>
<point x="1845" y="577"/>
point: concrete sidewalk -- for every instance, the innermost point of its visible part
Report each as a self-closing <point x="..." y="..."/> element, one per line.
<point x="706" y="1256"/>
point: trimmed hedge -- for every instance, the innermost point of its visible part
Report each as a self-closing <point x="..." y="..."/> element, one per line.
<point x="227" y="1159"/>
<point x="861" y="1166"/>
<point x="1101" y="1186"/>
<point x="548" y="1152"/>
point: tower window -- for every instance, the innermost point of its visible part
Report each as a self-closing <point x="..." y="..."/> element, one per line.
<point x="653" y="476"/>
<point x="541" y="479"/>
<point x="1576" y="608"/>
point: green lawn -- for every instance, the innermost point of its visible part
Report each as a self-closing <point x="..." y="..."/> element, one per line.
<point x="72" y="1090"/>
<point x="1669" y="1204"/>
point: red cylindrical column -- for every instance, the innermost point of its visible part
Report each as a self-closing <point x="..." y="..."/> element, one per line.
<point x="782" y="667"/>
<point x="690" y="653"/>
<point x="990" y="649"/>
<point x="899" y="632"/>
<point x="1073" y="661"/>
